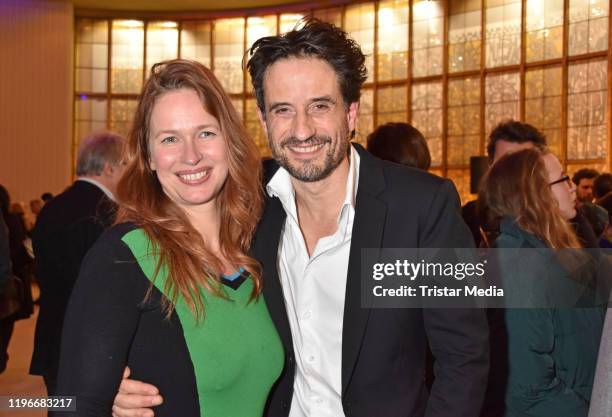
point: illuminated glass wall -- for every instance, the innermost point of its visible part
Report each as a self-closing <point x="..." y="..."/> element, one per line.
<point x="454" y="69"/>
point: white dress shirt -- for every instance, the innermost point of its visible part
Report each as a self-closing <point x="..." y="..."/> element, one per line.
<point x="314" y="288"/>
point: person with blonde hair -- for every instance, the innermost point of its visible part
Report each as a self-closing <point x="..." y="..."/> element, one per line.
<point x="171" y="290"/>
<point x="552" y="349"/>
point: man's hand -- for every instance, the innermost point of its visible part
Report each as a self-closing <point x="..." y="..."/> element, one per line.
<point x="134" y="398"/>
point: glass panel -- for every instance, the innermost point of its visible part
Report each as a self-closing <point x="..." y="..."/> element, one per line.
<point x="254" y="129"/>
<point x="162" y="42"/>
<point x="586" y="110"/>
<point x="428" y="37"/>
<point x="463" y="120"/>
<point x="122" y="112"/>
<point x="259" y="27"/>
<point x="89" y="116"/>
<point x="503" y="33"/>
<point x="91" y="55"/>
<point x="588" y="26"/>
<point x="359" y="23"/>
<point x="427" y="116"/>
<point x="544" y="29"/>
<point x="365" y="121"/>
<point x="288" y="21"/>
<point x="464" y="36"/>
<point x="461" y="179"/>
<point x="127" y="56"/>
<point x="502" y="93"/>
<point x="543" y="103"/>
<point x="393" y="40"/>
<point x="572" y="167"/>
<point x="392" y="104"/>
<point x="229" y="50"/>
<point x="237" y="103"/>
<point x="195" y="41"/>
<point x="333" y="15"/>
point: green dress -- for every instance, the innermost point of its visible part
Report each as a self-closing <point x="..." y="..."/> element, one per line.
<point x="235" y="350"/>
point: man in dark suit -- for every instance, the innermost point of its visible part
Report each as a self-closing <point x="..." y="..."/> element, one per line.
<point x="327" y="202"/>
<point x="65" y="230"/>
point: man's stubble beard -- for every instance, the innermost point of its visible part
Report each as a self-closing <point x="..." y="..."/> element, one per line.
<point x="307" y="171"/>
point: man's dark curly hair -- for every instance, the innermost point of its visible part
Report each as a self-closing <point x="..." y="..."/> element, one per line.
<point x="584" y="173"/>
<point x="311" y="38"/>
<point x="516" y="132"/>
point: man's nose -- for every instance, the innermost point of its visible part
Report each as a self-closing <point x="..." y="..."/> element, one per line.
<point x="303" y="126"/>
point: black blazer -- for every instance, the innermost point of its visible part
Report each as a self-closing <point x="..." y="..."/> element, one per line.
<point x="65" y="230"/>
<point x="384" y="350"/>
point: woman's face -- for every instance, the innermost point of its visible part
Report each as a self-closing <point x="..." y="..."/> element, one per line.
<point x="187" y="150"/>
<point x="565" y="191"/>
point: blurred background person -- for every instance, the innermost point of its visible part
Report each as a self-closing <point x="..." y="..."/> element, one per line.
<point x="606" y="238"/>
<point x="36" y="206"/>
<point x="22" y="262"/>
<point x="21" y="266"/>
<point x="511" y="136"/>
<point x="19" y="210"/>
<point x="46" y="197"/>
<point x="507" y="136"/>
<point x="593" y="213"/>
<point x="66" y="229"/>
<point x="552" y="351"/>
<point x="602" y="186"/>
<point x="400" y="143"/>
<point x="6" y="270"/>
<point x="584" y="178"/>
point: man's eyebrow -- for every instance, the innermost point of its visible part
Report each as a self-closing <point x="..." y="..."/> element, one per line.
<point x="328" y="99"/>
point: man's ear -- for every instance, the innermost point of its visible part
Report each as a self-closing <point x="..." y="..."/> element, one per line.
<point x="108" y="169"/>
<point x="351" y="117"/>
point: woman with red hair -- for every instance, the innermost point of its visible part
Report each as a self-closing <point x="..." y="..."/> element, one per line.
<point x="551" y="345"/>
<point x="171" y="290"/>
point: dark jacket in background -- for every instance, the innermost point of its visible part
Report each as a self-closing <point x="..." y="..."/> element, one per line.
<point x="552" y="351"/>
<point x="66" y="229"/>
<point x="5" y="255"/>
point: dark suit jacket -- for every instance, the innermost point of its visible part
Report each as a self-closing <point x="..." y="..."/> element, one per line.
<point x="383" y="350"/>
<point x="66" y="229"/>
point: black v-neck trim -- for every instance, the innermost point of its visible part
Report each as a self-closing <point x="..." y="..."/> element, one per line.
<point x="236" y="283"/>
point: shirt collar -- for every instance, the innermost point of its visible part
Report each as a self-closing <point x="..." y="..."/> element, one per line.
<point x="280" y="186"/>
<point x="100" y="186"/>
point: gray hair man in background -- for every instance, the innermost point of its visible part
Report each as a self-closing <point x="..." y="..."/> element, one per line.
<point x="65" y="230"/>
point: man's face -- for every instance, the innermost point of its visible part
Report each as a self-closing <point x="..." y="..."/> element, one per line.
<point x="306" y="120"/>
<point x="584" y="190"/>
<point x="503" y="147"/>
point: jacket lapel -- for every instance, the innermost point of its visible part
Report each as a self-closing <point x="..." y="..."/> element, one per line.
<point x="368" y="227"/>
<point x="265" y="249"/>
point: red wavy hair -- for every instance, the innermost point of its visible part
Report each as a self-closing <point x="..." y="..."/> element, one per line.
<point x="191" y="265"/>
<point x="517" y="186"/>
